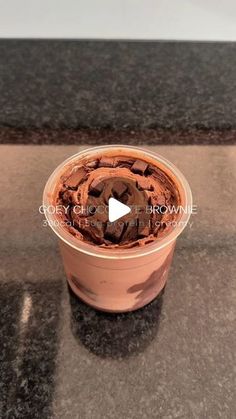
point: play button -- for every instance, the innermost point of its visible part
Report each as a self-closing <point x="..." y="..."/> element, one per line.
<point x="116" y="209"/>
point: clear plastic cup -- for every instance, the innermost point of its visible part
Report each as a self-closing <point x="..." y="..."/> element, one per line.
<point x="117" y="280"/>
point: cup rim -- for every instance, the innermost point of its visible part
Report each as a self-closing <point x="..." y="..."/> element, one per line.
<point x="116" y="253"/>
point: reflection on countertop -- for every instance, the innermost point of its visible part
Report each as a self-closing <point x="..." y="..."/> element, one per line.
<point x="114" y="335"/>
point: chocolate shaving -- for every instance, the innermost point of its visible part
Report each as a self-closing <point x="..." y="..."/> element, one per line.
<point x="96" y="187"/>
<point x="143" y="184"/>
<point x="119" y="189"/>
<point x="77" y="175"/>
<point x="114" y="231"/>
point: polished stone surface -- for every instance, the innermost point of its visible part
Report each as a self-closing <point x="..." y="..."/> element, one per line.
<point x="175" y="358"/>
<point x="147" y="90"/>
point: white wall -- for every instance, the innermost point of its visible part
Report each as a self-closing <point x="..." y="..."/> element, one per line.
<point x="124" y="19"/>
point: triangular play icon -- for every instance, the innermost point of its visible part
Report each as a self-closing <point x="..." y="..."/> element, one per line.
<point x="116" y="209"/>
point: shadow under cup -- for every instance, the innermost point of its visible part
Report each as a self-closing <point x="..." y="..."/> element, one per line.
<point x="118" y="280"/>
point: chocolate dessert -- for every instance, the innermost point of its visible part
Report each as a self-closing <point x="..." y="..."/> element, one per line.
<point x="86" y="186"/>
<point x="117" y="211"/>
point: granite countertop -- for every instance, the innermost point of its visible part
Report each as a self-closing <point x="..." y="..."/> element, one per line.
<point x="175" y="358"/>
<point x="78" y="92"/>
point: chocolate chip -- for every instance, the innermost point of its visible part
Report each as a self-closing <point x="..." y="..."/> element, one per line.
<point x="143" y="225"/>
<point x="96" y="187"/>
<point x="106" y="162"/>
<point x="119" y="189"/>
<point x="139" y="167"/>
<point x="76" y="176"/>
<point x="96" y="232"/>
<point x="114" y="231"/>
<point x="122" y="162"/>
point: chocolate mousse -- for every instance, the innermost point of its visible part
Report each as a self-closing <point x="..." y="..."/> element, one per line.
<point x="84" y="190"/>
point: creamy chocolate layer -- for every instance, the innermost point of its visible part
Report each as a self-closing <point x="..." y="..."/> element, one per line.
<point x="84" y="190"/>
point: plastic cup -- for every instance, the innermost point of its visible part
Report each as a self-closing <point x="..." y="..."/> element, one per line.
<point x="118" y="280"/>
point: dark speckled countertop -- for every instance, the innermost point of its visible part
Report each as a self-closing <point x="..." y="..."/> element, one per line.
<point x="117" y="91"/>
<point x="175" y="358"/>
